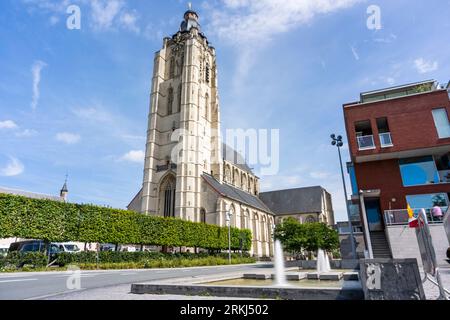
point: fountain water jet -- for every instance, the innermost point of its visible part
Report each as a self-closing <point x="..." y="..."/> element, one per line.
<point x="280" y="275"/>
<point x="323" y="262"/>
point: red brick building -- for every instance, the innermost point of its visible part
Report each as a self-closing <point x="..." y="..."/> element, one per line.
<point x="399" y="140"/>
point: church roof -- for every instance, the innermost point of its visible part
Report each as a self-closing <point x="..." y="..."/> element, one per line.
<point x="294" y="201"/>
<point x="231" y="155"/>
<point x="28" y="194"/>
<point x="234" y="193"/>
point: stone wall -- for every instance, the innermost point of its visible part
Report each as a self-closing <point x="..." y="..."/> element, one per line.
<point x="403" y="242"/>
<point x="346" y="247"/>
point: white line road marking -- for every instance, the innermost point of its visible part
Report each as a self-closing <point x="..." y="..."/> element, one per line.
<point x="128" y="274"/>
<point x="17" y="280"/>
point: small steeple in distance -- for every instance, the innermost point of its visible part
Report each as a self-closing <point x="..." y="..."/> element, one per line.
<point x="64" y="191"/>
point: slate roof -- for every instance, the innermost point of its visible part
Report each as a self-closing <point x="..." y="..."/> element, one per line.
<point x="28" y="194"/>
<point x="294" y="201"/>
<point x="234" y="193"/>
<point x="231" y="155"/>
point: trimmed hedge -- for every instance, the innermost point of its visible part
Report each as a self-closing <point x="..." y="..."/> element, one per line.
<point x="59" y="222"/>
<point x="18" y="260"/>
<point x="134" y="257"/>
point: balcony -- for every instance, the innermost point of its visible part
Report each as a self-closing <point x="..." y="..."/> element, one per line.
<point x="386" y="140"/>
<point x="366" y="143"/>
<point x="401" y="217"/>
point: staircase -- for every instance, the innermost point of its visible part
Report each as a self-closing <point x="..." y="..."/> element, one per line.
<point x="380" y="245"/>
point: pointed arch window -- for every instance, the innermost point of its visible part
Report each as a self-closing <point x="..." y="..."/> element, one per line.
<point x="207" y="107"/>
<point x="170" y="102"/>
<point x="180" y="91"/>
<point x="172" y="68"/>
<point x="203" y="216"/>
<point x="169" y="198"/>
<point x="207" y="73"/>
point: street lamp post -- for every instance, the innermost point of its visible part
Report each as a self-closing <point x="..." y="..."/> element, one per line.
<point x="228" y="219"/>
<point x="337" y="141"/>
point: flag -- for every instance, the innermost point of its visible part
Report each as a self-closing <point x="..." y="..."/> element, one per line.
<point x="412" y="220"/>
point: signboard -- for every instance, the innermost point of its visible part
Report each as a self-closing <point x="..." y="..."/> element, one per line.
<point x="426" y="248"/>
<point x="387" y="279"/>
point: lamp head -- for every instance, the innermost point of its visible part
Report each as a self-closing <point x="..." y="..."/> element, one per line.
<point x="333" y="136"/>
<point x="333" y="142"/>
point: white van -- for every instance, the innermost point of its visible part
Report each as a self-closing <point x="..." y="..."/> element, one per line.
<point x="68" y="247"/>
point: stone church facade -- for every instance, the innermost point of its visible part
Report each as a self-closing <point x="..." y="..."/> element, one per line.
<point x="189" y="173"/>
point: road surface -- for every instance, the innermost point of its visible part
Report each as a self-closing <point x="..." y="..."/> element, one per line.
<point x="44" y="285"/>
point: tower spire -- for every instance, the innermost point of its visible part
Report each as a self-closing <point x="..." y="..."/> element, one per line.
<point x="64" y="190"/>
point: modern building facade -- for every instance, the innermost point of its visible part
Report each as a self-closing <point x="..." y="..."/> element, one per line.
<point x="312" y="204"/>
<point x="399" y="140"/>
<point x="189" y="174"/>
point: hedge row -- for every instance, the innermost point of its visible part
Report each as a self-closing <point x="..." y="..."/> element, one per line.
<point x="17" y="260"/>
<point x="58" y="222"/>
<point x="32" y="261"/>
<point x="121" y="257"/>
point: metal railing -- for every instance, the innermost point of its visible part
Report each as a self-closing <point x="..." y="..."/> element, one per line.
<point x="386" y="140"/>
<point x="366" y="142"/>
<point x="401" y="217"/>
<point x="444" y="176"/>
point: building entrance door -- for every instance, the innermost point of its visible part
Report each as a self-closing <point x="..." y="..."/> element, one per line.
<point x="374" y="215"/>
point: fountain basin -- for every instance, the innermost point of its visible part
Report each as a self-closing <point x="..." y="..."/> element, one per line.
<point x="327" y="276"/>
<point x="259" y="289"/>
<point x="257" y="276"/>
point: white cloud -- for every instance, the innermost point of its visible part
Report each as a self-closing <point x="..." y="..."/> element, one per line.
<point x="48" y="5"/>
<point x="319" y="175"/>
<point x="53" y="20"/>
<point x="355" y="53"/>
<point x="13" y="168"/>
<point x="26" y="133"/>
<point x="278" y="182"/>
<point x="68" y="138"/>
<point x="104" y="12"/>
<point x="8" y="124"/>
<point x="250" y="24"/>
<point x="129" y="22"/>
<point x="242" y="21"/>
<point x="36" y="72"/>
<point x="136" y="156"/>
<point x="424" y="66"/>
<point x="95" y="114"/>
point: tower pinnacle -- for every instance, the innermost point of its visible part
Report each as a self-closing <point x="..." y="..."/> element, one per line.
<point x="190" y="20"/>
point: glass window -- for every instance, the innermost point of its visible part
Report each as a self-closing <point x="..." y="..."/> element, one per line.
<point x="428" y="201"/>
<point x="418" y="171"/>
<point x="354" y="183"/>
<point x="442" y="124"/>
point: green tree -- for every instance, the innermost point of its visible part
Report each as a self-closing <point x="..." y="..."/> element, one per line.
<point x="310" y="237"/>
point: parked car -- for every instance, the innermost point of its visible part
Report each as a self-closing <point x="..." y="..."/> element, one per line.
<point x="35" y="246"/>
<point x="3" y="251"/>
<point x="107" y="247"/>
<point x="448" y="254"/>
<point x="68" y="247"/>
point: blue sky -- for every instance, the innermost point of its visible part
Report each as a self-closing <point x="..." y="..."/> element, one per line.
<point x="77" y="101"/>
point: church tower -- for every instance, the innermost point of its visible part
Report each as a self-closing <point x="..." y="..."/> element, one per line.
<point x="184" y="122"/>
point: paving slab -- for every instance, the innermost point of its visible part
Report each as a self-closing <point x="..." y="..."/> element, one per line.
<point x="331" y="276"/>
<point x="351" y="276"/>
